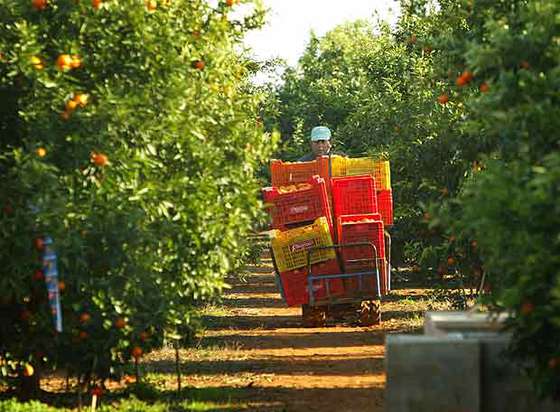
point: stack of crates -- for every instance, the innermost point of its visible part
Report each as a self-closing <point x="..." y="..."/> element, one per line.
<point x="299" y="205"/>
<point x="381" y="173"/>
<point x="375" y="218"/>
<point x="358" y="221"/>
<point x="309" y="208"/>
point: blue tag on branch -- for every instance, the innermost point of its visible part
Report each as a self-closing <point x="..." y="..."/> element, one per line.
<point x="50" y="271"/>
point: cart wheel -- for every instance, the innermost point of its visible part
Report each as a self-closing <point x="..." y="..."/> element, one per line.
<point x="370" y="313"/>
<point x="313" y="316"/>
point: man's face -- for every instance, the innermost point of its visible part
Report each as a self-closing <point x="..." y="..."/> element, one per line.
<point x="320" y="147"/>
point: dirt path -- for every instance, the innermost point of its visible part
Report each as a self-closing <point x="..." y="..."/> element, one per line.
<point x="255" y="349"/>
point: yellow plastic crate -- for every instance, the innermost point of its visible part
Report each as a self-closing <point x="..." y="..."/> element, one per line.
<point x="338" y="166"/>
<point x="379" y="169"/>
<point x="290" y="247"/>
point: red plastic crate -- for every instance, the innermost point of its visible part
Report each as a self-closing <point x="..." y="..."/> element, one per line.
<point x="354" y="195"/>
<point x="303" y="202"/>
<point x="295" y="284"/>
<point x="385" y="206"/>
<point x="287" y="173"/>
<point x="360" y="228"/>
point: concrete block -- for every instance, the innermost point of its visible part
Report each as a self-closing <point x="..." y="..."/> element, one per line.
<point x="432" y="374"/>
<point x="465" y="324"/>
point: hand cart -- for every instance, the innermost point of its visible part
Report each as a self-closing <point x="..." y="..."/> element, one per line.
<point x="362" y="292"/>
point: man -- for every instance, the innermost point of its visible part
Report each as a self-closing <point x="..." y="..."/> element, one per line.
<point x="320" y="143"/>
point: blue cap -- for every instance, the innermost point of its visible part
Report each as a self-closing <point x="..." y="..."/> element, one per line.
<point x="320" y="133"/>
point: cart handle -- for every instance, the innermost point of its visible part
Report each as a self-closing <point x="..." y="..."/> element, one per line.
<point x="339" y="246"/>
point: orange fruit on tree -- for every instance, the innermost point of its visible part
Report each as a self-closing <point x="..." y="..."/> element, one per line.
<point x="71" y="105"/>
<point x="39" y="4"/>
<point x="96" y="4"/>
<point x="61" y="286"/>
<point x="81" y="98"/>
<point x="38" y="275"/>
<point x="484" y="87"/>
<point x="41" y="152"/>
<point x="85" y="317"/>
<point x="96" y="391"/>
<point x="120" y="323"/>
<point x="39" y="243"/>
<point x="37" y="63"/>
<point x="76" y="61"/>
<point x="137" y="352"/>
<point x="64" y="62"/>
<point x="451" y="261"/>
<point x="151" y="5"/>
<point x="28" y="370"/>
<point x="99" y="159"/>
<point x="527" y="308"/>
<point x="25" y="315"/>
<point x="199" y="64"/>
<point x="443" y="99"/>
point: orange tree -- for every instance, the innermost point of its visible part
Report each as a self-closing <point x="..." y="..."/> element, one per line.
<point x="129" y="136"/>
<point x="507" y="208"/>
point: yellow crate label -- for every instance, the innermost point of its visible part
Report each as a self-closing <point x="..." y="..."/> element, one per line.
<point x="303" y="245"/>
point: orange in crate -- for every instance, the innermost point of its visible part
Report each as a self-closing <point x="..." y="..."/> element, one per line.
<point x="301" y="202"/>
<point x="290" y="248"/>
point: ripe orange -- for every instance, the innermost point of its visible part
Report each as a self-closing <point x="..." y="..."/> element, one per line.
<point x="39" y="243"/>
<point x="467" y="75"/>
<point x="461" y="81"/>
<point x="25" y="315"/>
<point x="99" y="159"/>
<point x="85" y="317"/>
<point x="71" y="105"/>
<point x="120" y="323"/>
<point x="76" y="62"/>
<point x="37" y="63"/>
<point x="443" y="99"/>
<point x="61" y="286"/>
<point x="28" y="370"/>
<point x="41" y="152"/>
<point x="64" y="62"/>
<point x="484" y="87"/>
<point x="96" y="4"/>
<point x="81" y="98"/>
<point x="451" y="261"/>
<point x="527" y="308"/>
<point x="199" y="64"/>
<point x="97" y="391"/>
<point x="151" y="5"/>
<point x="38" y="275"/>
<point x="137" y="352"/>
<point x="8" y="209"/>
<point x="39" y="4"/>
